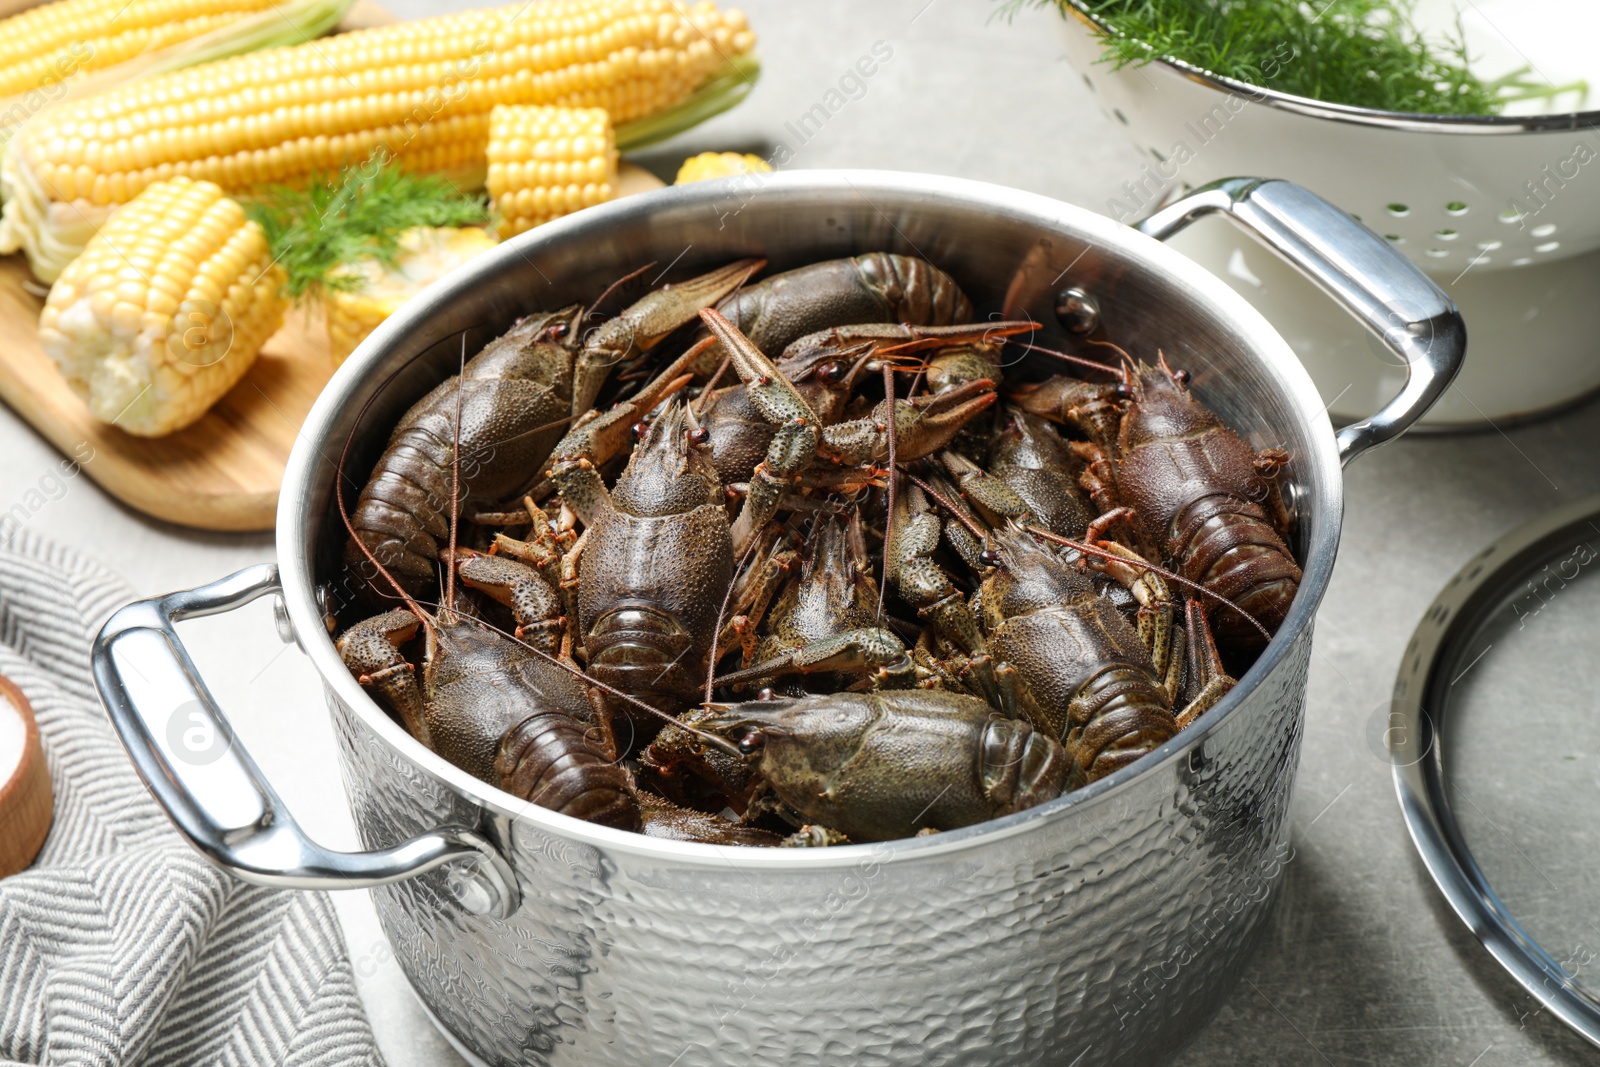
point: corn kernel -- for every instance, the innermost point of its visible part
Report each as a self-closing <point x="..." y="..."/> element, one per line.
<point x="422" y="90"/>
<point x="709" y="165"/>
<point x="152" y="333"/>
<point x="555" y="160"/>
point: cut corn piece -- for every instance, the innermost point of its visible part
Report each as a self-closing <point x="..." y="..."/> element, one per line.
<point x="545" y="162"/>
<point x="166" y="308"/>
<point x="421" y="90"/>
<point x="427" y="253"/>
<point x="708" y="165"/>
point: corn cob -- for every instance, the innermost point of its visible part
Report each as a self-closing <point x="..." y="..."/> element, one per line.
<point x="545" y="162"/>
<point x="421" y="90"/>
<point x="709" y="165"/>
<point x="93" y="41"/>
<point x="166" y="308"/>
<point x="426" y="254"/>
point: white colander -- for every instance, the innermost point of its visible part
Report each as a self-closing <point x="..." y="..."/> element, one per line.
<point x="1460" y="196"/>
<point x="1495" y="191"/>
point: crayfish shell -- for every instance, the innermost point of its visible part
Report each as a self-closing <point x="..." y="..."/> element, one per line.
<point x="555" y="761"/>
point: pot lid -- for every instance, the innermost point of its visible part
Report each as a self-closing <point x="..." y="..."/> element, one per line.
<point x="1494" y="732"/>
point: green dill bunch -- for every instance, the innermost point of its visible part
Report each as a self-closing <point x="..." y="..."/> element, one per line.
<point x="1364" y="53"/>
<point x="360" y="214"/>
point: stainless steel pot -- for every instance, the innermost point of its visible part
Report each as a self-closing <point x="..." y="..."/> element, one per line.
<point x="1104" y="927"/>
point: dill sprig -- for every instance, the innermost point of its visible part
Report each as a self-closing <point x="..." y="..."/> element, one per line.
<point x="332" y="222"/>
<point x="1365" y="53"/>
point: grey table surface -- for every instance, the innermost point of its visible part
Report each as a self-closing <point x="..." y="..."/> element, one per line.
<point x="1363" y="964"/>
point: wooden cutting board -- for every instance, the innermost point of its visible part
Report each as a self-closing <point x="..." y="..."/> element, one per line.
<point x="222" y="473"/>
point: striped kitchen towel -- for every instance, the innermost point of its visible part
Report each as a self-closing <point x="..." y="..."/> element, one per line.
<point x="122" y="944"/>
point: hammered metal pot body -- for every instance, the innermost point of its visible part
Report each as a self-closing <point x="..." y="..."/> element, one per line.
<point x="1102" y="928"/>
<point x="1109" y="937"/>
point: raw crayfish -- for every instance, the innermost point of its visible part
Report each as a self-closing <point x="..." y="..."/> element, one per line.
<point x="494" y="424"/>
<point x="1191" y="486"/>
<point x="881" y="765"/>
<point x="952" y="611"/>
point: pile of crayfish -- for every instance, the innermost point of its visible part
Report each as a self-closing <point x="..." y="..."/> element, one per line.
<point x="837" y="571"/>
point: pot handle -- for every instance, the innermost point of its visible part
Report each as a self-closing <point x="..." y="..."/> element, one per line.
<point x="1382" y="288"/>
<point x="183" y="748"/>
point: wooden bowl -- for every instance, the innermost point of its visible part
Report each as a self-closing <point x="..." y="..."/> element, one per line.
<point x="25" y="797"/>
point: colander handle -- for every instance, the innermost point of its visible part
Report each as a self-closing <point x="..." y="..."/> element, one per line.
<point x="182" y="746"/>
<point x="1380" y="287"/>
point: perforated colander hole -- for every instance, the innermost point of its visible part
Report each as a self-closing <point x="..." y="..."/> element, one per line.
<point x="1455" y="207"/>
<point x="1437" y="253"/>
<point x="1394" y="238"/>
<point x="1088" y="82"/>
<point x="1156" y="152"/>
<point x="1510" y="215"/>
<point x="1399" y="211"/>
<point x="1543" y="231"/>
<point x="1548" y="246"/>
<point x="1117" y="111"/>
<point x="1489" y="246"/>
<point x="1446" y="235"/>
<point x="1522" y="261"/>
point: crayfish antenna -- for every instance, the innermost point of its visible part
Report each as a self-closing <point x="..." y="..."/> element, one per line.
<point x="613" y="287"/>
<point x="949" y="505"/>
<point x="584" y="676"/>
<point x="945" y="336"/>
<point x="888" y="522"/>
<point x="541" y="428"/>
<point x="338" y="486"/>
<point x="862" y="358"/>
<point x="344" y="514"/>
<point x="455" y="488"/>
<point x="1130" y="366"/>
<point x="1079" y="361"/>
<point x="722" y="614"/>
<point x="1100" y="553"/>
<point x="710" y="387"/>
